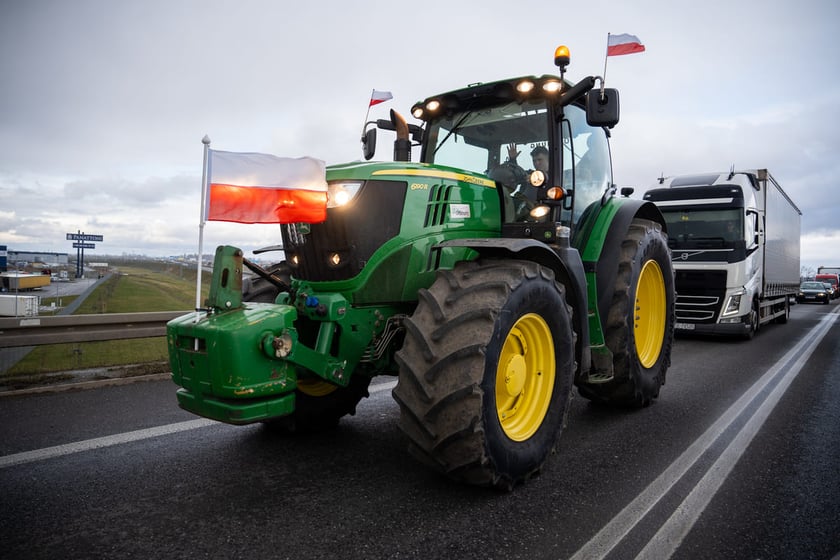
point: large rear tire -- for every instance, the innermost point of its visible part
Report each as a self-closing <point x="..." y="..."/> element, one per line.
<point x="640" y="323"/>
<point x="486" y="371"/>
<point x="319" y="405"/>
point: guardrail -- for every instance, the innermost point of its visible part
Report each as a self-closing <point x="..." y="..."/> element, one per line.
<point x="35" y="331"/>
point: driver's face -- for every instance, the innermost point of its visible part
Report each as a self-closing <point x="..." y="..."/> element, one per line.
<point x="541" y="162"/>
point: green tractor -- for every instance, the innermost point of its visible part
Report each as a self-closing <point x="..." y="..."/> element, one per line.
<point x="485" y="287"/>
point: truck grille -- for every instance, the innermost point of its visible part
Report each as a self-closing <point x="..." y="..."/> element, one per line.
<point x="699" y="295"/>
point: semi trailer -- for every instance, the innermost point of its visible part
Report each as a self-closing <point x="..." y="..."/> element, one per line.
<point x="734" y="241"/>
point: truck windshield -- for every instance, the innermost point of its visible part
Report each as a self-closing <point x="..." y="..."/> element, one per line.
<point x="705" y="229"/>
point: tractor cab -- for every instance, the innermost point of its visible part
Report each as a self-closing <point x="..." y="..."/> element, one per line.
<point x="549" y="163"/>
<point x="542" y="140"/>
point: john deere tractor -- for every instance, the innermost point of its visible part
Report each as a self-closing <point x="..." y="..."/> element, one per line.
<point x="488" y="278"/>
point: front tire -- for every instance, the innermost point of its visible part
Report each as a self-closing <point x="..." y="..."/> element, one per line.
<point x="259" y="289"/>
<point x="486" y="371"/>
<point x="640" y="322"/>
<point x="755" y="321"/>
<point x="319" y="405"/>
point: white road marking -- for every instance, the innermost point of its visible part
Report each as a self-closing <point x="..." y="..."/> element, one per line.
<point x="117" y="439"/>
<point x="97" y="443"/>
<point x="382" y="386"/>
<point x="670" y="535"/>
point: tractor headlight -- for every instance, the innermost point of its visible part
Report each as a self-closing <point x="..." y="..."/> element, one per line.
<point x="537" y="178"/>
<point x="525" y="86"/>
<point x="539" y="211"/>
<point x="341" y="193"/>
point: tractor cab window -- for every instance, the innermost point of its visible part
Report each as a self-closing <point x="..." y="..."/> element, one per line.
<point x="504" y="142"/>
<point x="586" y="161"/>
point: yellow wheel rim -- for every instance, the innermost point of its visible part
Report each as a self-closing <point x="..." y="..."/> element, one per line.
<point x="649" y="314"/>
<point x="525" y="377"/>
<point x="315" y="387"/>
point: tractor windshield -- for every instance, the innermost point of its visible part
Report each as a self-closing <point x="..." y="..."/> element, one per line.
<point x="482" y="140"/>
<point x="505" y="142"/>
<point x="508" y="141"/>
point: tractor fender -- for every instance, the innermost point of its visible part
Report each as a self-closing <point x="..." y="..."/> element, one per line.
<point x="564" y="261"/>
<point x="605" y="266"/>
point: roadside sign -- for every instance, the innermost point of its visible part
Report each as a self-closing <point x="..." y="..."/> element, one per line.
<point x="84" y="245"/>
<point x="83" y="237"/>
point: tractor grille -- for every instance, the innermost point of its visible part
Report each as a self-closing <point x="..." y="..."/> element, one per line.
<point x="699" y="295"/>
<point x="339" y="248"/>
<point x="436" y="209"/>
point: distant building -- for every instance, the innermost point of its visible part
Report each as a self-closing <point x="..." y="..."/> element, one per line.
<point x="31" y="257"/>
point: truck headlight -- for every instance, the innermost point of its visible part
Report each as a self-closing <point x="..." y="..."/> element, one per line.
<point x="339" y="194"/>
<point x="733" y="304"/>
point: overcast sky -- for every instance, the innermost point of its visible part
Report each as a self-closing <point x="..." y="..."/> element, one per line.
<point x="103" y="103"/>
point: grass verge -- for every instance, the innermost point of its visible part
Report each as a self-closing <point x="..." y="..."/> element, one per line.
<point x="134" y="287"/>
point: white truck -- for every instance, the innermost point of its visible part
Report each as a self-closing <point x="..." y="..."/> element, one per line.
<point x="734" y="240"/>
<point x="12" y="305"/>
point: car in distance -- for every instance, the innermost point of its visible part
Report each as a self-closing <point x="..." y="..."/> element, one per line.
<point x="812" y="291"/>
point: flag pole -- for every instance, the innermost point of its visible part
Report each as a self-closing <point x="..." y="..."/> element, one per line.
<point x="367" y="114"/>
<point x="606" y="57"/>
<point x="201" y="221"/>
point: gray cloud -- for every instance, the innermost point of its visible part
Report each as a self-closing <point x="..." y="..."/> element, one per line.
<point x="105" y="103"/>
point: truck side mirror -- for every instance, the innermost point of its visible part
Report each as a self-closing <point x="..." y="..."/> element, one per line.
<point x="602" y="110"/>
<point x="369" y="143"/>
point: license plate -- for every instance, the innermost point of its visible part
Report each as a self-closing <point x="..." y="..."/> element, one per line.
<point x="684" y="326"/>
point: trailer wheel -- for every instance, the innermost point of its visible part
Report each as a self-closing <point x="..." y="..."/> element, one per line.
<point x="640" y="323"/>
<point x="318" y="404"/>
<point x="486" y="371"/>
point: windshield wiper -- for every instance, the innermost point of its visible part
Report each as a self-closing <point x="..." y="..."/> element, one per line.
<point x="455" y="128"/>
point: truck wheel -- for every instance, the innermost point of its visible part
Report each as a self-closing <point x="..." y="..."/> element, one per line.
<point x="783" y="318"/>
<point x="486" y="371"/>
<point x="755" y="322"/>
<point x="318" y="405"/>
<point x="640" y="323"/>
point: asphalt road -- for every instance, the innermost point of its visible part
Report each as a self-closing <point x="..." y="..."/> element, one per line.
<point x="739" y="458"/>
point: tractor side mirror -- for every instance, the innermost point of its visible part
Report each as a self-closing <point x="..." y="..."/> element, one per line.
<point x="602" y="110"/>
<point x="369" y="143"/>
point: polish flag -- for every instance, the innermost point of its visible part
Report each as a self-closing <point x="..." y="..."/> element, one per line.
<point x="623" y="44"/>
<point x="379" y="96"/>
<point x="253" y="188"/>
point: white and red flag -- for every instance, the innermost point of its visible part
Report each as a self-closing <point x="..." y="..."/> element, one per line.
<point x="254" y="188"/>
<point x="377" y="97"/>
<point x="623" y="43"/>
